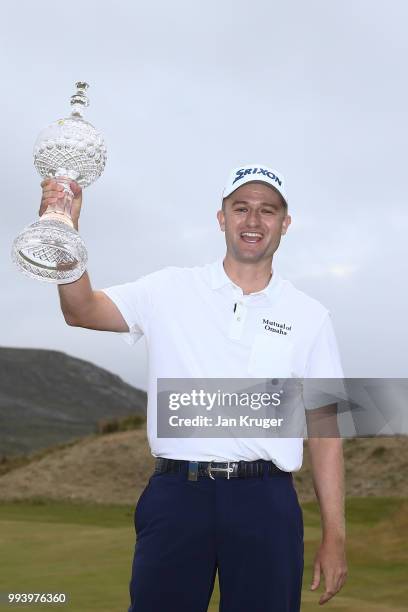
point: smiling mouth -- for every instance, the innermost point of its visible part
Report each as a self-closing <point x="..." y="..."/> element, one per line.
<point x="251" y="237"/>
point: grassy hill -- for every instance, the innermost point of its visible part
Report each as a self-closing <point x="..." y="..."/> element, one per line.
<point x="113" y="469"/>
<point x="48" y="397"/>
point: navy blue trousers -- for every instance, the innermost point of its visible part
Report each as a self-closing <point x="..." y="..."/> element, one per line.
<point x="250" y="530"/>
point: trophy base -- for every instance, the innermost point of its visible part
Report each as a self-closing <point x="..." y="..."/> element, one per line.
<point x="51" y="251"/>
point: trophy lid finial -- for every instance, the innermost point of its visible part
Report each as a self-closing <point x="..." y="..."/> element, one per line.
<point x="79" y="100"/>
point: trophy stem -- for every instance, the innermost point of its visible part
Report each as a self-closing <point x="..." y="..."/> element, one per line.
<point x="61" y="209"/>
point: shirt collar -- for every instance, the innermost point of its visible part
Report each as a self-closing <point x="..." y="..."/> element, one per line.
<point x="219" y="278"/>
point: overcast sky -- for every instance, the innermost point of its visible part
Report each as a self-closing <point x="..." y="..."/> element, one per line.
<point x="184" y="91"/>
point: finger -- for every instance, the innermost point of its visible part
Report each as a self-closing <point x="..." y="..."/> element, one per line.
<point x="52" y="185"/>
<point x="51" y="192"/>
<point x="45" y="203"/>
<point x="341" y="581"/>
<point x="76" y="189"/>
<point x="330" y="588"/>
<point x="328" y="594"/>
<point x="48" y="181"/>
<point x="49" y="200"/>
<point x="52" y="195"/>
<point x="316" y="577"/>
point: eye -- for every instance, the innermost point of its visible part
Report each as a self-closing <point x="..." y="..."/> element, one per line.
<point x="268" y="211"/>
<point x="241" y="209"/>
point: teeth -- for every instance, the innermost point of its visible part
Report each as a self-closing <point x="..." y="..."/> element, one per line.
<point x="252" y="234"/>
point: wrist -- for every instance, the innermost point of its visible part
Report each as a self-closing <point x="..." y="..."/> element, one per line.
<point x="334" y="537"/>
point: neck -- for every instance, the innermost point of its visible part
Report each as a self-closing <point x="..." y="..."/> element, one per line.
<point x="251" y="277"/>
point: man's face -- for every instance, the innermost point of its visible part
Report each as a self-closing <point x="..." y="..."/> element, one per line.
<point x="254" y="219"/>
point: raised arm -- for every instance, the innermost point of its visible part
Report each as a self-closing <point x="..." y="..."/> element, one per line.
<point x="80" y="304"/>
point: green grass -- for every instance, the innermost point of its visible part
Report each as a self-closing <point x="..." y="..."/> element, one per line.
<point x="47" y="511"/>
<point x="86" y="551"/>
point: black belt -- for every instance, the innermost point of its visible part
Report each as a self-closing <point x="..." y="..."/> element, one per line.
<point x="225" y="469"/>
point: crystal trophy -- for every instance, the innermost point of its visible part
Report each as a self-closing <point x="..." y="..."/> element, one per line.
<point x="69" y="149"/>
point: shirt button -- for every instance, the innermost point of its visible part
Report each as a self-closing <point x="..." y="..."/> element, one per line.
<point x="238" y="318"/>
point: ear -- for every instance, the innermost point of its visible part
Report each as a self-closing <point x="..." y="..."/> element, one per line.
<point x="285" y="224"/>
<point x="221" y="220"/>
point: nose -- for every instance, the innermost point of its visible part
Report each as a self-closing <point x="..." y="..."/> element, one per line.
<point x="252" y="218"/>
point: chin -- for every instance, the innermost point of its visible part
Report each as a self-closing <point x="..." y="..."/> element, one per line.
<point x="250" y="257"/>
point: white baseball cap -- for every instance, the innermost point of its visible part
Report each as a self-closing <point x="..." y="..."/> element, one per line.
<point x="254" y="172"/>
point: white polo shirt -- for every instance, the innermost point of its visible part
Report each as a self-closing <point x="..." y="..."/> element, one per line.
<point x="199" y="324"/>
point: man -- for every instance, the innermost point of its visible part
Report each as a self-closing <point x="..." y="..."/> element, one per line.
<point x="225" y="504"/>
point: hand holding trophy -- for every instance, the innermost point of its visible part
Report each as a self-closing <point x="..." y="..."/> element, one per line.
<point x="68" y="150"/>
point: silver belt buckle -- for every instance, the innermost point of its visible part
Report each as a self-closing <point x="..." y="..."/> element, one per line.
<point x="227" y="469"/>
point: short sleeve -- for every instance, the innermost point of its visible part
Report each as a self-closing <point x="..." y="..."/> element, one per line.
<point x="323" y="363"/>
<point x="133" y="301"/>
<point x="324" y="359"/>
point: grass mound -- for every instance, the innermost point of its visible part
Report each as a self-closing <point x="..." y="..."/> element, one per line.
<point x="128" y="423"/>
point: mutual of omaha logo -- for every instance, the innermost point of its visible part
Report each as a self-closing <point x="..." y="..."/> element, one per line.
<point x="263" y="171"/>
<point x="274" y="326"/>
